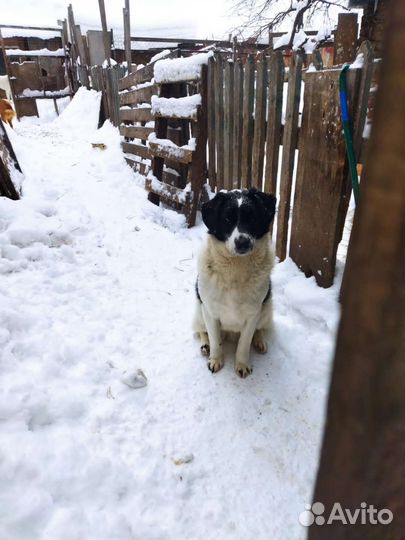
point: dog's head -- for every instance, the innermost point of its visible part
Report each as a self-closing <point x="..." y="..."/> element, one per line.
<point x="239" y="218"/>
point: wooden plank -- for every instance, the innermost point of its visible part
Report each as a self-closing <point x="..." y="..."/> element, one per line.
<point x="248" y="124"/>
<point x="136" y="132"/>
<point x="362" y="457"/>
<point x="106" y="37"/>
<point x="345" y="43"/>
<point x="71" y="20"/>
<point x="198" y="169"/>
<point x="360" y="116"/>
<point x="288" y="157"/>
<point x="166" y="192"/>
<point x="139" y="166"/>
<point x="176" y="153"/>
<point x="142" y="114"/>
<point x="137" y="149"/>
<point x="238" y="124"/>
<point x="228" y="124"/>
<point x="177" y="116"/>
<point x="259" y="123"/>
<point x="20" y="27"/>
<point x="142" y="95"/>
<point x="127" y="35"/>
<point x="274" y="113"/>
<point x="211" y="125"/>
<point x="161" y="132"/>
<point x="142" y="75"/>
<point x="321" y="178"/>
<point x="219" y="118"/>
<point x="79" y="44"/>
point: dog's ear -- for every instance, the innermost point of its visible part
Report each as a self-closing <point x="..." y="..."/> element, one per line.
<point x="210" y="212"/>
<point x="267" y="201"/>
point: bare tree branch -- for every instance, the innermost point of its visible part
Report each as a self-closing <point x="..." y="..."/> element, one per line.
<point x="260" y="16"/>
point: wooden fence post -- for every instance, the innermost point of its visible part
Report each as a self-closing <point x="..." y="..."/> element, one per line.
<point x="106" y="39"/>
<point x="237" y="124"/>
<point x="360" y="116"/>
<point x="363" y="453"/>
<point x="127" y="35"/>
<point x="274" y="111"/>
<point x="219" y="119"/>
<point x="322" y="178"/>
<point x="228" y="124"/>
<point x="345" y="43"/>
<point x="211" y="124"/>
<point x="290" y="137"/>
<point x="248" y="125"/>
<point x="260" y="123"/>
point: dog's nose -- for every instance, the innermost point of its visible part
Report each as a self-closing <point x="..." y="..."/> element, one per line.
<point x="243" y="244"/>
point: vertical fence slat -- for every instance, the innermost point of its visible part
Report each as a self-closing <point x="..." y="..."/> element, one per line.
<point x="321" y="177"/>
<point x="260" y="124"/>
<point x="359" y="122"/>
<point x="289" y="145"/>
<point x="238" y="124"/>
<point x="211" y="124"/>
<point x="274" y="111"/>
<point x="247" y="133"/>
<point x="228" y="125"/>
<point x="219" y="119"/>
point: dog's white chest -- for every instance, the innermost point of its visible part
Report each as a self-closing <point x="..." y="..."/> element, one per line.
<point x="232" y="306"/>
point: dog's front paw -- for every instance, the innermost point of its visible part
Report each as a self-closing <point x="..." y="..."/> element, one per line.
<point x="215" y="364"/>
<point x="243" y="370"/>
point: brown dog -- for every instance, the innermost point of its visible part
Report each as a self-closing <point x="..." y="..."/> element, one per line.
<point x="7" y="112"/>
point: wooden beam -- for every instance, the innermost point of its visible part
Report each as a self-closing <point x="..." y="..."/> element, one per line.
<point x="248" y="123"/>
<point x="136" y="132"/>
<point x="363" y="450"/>
<point x="106" y="38"/>
<point x="142" y="95"/>
<point x="176" y="153"/>
<point x="137" y="149"/>
<point x="143" y="114"/>
<point x="290" y="137"/>
<point x="345" y="44"/>
<point x="127" y="35"/>
<point x="274" y="112"/>
<point x="259" y="123"/>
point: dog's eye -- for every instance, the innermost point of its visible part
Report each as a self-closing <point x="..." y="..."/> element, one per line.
<point x="230" y="215"/>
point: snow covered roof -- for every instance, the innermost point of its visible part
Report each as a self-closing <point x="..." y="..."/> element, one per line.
<point x="25" y="32"/>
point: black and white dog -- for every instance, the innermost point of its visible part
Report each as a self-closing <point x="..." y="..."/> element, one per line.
<point x="233" y="285"/>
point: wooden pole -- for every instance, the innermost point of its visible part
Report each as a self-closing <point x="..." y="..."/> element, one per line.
<point x="363" y="453"/>
<point x="106" y="39"/>
<point x="345" y="43"/>
<point x="127" y="35"/>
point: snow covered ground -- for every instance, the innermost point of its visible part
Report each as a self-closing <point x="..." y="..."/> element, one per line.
<point x="97" y="283"/>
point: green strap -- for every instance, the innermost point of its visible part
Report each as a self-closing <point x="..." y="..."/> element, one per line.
<point x="348" y="133"/>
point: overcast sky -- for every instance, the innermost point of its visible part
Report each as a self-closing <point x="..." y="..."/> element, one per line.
<point x="157" y="18"/>
<point x="163" y="18"/>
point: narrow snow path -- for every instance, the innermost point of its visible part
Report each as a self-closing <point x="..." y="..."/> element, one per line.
<point x="96" y="283"/>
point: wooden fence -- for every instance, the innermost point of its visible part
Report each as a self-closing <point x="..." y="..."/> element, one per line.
<point x="268" y="127"/>
<point x="295" y="150"/>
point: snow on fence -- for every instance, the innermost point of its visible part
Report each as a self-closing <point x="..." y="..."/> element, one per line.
<point x="278" y="137"/>
<point x="168" y="125"/>
<point x="281" y="137"/>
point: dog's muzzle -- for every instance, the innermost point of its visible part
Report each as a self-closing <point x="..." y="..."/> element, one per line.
<point x="243" y="244"/>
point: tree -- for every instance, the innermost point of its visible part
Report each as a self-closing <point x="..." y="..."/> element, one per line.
<point x="261" y="16"/>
